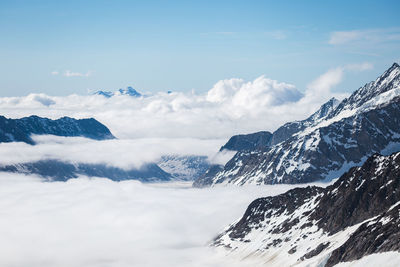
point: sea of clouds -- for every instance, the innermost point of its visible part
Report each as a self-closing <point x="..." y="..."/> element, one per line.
<point x="98" y="222"/>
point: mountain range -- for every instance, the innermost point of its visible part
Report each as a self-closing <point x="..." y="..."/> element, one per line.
<point x="339" y="135"/>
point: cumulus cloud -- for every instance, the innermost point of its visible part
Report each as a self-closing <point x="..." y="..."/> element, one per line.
<point x="369" y="35"/>
<point x="260" y="92"/>
<point x="97" y="222"/>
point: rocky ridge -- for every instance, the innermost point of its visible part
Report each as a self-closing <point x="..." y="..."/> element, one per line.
<point x="325" y="145"/>
<point x="356" y="216"/>
<point x="21" y="130"/>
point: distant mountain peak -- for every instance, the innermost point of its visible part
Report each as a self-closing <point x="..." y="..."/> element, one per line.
<point x="130" y="91"/>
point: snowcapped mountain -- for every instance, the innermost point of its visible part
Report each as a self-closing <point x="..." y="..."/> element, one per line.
<point x="356" y="216"/>
<point x="130" y="91"/>
<point x="325" y="145"/>
<point x="20" y="130"/>
<point x="187" y="168"/>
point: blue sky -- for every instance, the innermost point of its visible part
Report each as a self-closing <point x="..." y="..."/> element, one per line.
<point x="65" y="47"/>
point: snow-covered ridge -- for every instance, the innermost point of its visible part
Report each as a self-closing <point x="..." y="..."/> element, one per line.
<point x="338" y="135"/>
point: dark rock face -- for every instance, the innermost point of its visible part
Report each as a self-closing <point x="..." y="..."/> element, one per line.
<point x="243" y="142"/>
<point x="311" y="221"/>
<point x="379" y="235"/>
<point x="316" y="251"/>
<point x="362" y="193"/>
<point x="20" y="130"/>
<point x="206" y="177"/>
<point x="329" y="142"/>
<point x="55" y="170"/>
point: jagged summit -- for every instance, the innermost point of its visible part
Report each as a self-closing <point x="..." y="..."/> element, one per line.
<point x="388" y="81"/>
<point x="130" y="91"/>
<point x="324" y="110"/>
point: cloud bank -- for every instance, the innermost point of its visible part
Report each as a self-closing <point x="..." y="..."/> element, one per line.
<point x="231" y="107"/>
<point x="97" y="222"/>
<point x="126" y="154"/>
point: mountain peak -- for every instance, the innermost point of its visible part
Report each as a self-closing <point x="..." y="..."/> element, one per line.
<point x="130" y="91"/>
<point x="395" y="65"/>
<point x="324" y="110"/>
<point x="389" y="80"/>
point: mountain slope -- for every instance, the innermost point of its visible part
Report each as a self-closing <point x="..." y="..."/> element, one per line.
<point x="329" y="142"/>
<point x="243" y="142"/>
<point x="318" y="226"/>
<point x="187" y="168"/>
<point x="20" y="130"/>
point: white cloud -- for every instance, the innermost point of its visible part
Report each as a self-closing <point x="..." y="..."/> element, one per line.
<point x="97" y="222"/>
<point x="126" y="154"/>
<point x="369" y="35"/>
<point x="69" y="73"/>
<point x="322" y="86"/>
<point x="54" y="72"/>
<point x="324" y="83"/>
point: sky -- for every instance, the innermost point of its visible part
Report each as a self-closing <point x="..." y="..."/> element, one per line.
<point x="75" y="47"/>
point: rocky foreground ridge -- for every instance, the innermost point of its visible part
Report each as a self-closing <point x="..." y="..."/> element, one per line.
<point x="356" y="216"/>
